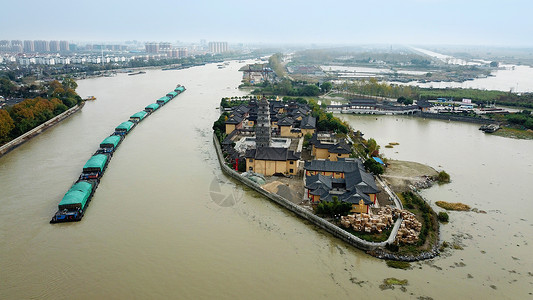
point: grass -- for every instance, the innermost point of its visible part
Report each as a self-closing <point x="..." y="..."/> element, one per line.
<point x="398" y="264"/>
<point x="453" y="206"/>
<point x="389" y="146"/>
<point x="514" y="133"/>
<point x="394" y="143"/>
<point x="395" y="281"/>
<point x="371" y="237"/>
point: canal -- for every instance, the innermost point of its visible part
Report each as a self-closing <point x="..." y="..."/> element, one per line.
<point x="166" y="223"/>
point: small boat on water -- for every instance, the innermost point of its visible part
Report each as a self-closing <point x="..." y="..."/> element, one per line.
<point x="89" y="98"/>
<point x="489" y="128"/>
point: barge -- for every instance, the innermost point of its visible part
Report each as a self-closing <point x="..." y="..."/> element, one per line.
<point x="151" y="108"/>
<point x="95" y="167"/>
<point x="75" y="202"/>
<point x="172" y="94"/>
<point x="163" y="100"/>
<point x="138" y="117"/>
<point x="110" y="144"/>
<point x="124" y="128"/>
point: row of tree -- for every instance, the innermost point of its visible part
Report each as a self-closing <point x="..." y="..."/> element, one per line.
<point x="30" y="113"/>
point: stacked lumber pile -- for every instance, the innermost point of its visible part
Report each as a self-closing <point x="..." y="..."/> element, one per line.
<point x="409" y="229"/>
<point x="369" y="223"/>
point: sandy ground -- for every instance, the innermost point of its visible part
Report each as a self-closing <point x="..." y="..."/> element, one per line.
<point x="400" y="174"/>
<point x="288" y="188"/>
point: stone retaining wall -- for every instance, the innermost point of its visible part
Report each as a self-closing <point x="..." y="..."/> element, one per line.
<point x="455" y="118"/>
<point x="37" y="130"/>
<point x="298" y="210"/>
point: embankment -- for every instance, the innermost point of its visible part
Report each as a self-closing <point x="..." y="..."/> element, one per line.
<point x="37" y="130"/>
<point x="453" y="117"/>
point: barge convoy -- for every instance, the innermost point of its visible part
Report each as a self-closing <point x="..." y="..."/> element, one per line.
<point x="75" y="202"/>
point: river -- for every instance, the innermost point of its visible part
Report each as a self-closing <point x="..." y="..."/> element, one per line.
<point x="166" y="223"/>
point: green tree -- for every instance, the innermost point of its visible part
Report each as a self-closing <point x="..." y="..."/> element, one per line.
<point x="69" y="83"/>
<point x="326" y="87"/>
<point x="6" y="125"/>
<point x="373" y="166"/>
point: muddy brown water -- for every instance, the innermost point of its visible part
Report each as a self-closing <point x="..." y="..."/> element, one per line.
<point x="166" y="223"/>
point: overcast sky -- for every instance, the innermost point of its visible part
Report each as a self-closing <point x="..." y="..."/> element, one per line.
<point x="453" y="22"/>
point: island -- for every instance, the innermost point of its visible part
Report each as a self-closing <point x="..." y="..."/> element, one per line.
<point x="315" y="165"/>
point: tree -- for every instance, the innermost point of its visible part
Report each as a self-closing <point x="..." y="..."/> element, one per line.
<point x="373" y="147"/>
<point x="326" y="87"/>
<point x="69" y="83"/>
<point x="6" y="125"/>
<point x="373" y="166"/>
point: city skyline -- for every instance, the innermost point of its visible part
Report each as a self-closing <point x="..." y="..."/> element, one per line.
<point x="449" y="22"/>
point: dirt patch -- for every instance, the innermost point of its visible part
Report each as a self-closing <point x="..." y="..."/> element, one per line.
<point x="401" y="174"/>
<point x="288" y="188"/>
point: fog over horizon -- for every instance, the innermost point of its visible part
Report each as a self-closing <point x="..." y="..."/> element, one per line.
<point x="386" y="22"/>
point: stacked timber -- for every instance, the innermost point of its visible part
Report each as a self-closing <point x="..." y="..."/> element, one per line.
<point x="409" y="229"/>
<point x="369" y="223"/>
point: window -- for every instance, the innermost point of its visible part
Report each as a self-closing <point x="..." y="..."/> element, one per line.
<point x="291" y="162"/>
<point x="291" y="171"/>
<point x="251" y="160"/>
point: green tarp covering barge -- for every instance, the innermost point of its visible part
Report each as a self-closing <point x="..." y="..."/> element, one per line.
<point x="138" y="116"/>
<point x="110" y="141"/>
<point x="152" y="107"/>
<point x="96" y="163"/>
<point x="124" y="128"/>
<point x="77" y="196"/>
<point x="172" y="94"/>
<point x="179" y="89"/>
<point x="163" y="100"/>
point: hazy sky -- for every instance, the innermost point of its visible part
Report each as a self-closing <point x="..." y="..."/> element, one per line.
<point x="468" y="22"/>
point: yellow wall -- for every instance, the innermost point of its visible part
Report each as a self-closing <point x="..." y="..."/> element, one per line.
<point x="335" y="156"/>
<point x="230" y="128"/>
<point x="269" y="167"/>
<point x="334" y="174"/>
<point x="359" y="208"/>
<point x="306" y="131"/>
<point x="372" y="197"/>
<point x="285" y="130"/>
<point x="321" y="153"/>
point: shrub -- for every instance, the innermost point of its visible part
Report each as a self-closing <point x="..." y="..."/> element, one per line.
<point x="443" y="177"/>
<point x="398" y="264"/>
<point x="443" y="217"/>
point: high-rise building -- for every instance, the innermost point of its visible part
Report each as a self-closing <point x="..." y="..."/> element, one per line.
<point x="151" y="47"/>
<point x="29" y="46"/>
<point x="183" y="52"/>
<point x="41" y="46"/>
<point x="17" y="46"/>
<point x="54" y="46"/>
<point x="5" y="46"/>
<point x="64" y="46"/>
<point x="218" y="47"/>
<point x="165" y="46"/>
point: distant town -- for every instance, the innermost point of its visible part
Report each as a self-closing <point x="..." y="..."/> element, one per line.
<point x="43" y="52"/>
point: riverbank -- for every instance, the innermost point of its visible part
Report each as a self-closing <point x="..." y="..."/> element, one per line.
<point x="514" y="133"/>
<point x="39" y="129"/>
<point x="402" y="175"/>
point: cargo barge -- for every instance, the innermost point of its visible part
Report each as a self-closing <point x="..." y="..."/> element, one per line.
<point x="95" y="167"/>
<point x="74" y="203"/>
<point x="124" y="128"/>
<point x="110" y="144"/>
